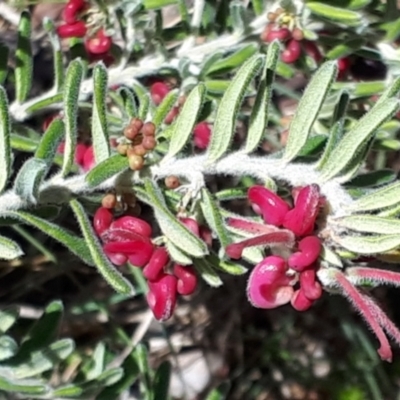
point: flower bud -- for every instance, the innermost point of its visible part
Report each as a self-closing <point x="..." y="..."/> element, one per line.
<point x="162" y="296"/>
<point x="292" y="52"/>
<point x="159" y="259"/>
<point x="138" y="252"/>
<point x="77" y="29"/>
<point x="133" y="224"/>
<point x="300" y="302"/>
<point x="102" y="220"/>
<point x="158" y="91"/>
<point x="99" y="44"/>
<point x="310" y="287"/>
<point x="202" y="135"/>
<point x="187" y="279"/>
<point x="310" y="248"/>
<point x="272" y="207"/>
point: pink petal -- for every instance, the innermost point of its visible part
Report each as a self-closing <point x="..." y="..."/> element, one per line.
<point x="302" y="218"/>
<point x="273" y="208"/>
<point x="202" y="135"/>
<point x="102" y="220"/>
<point x="300" y="302"/>
<point x="364" y="308"/>
<point x="88" y="161"/>
<point x="191" y="224"/>
<point x="159" y="259"/>
<point x="310" y="249"/>
<point x="133" y="224"/>
<point x="138" y="252"/>
<point x="309" y="286"/>
<point x="162" y="297"/>
<point x="116" y="258"/>
<point x="268" y="285"/>
<point x="235" y="250"/>
<point x="187" y="279"/>
<point x="122" y="235"/>
<point x="250" y="226"/>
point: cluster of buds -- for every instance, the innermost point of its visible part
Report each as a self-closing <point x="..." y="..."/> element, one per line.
<point x="139" y="139"/>
<point x="128" y="238"/>
<point x="289" y="233"/>
<point x="97" y="45"/>
<point x="282" y="27"/>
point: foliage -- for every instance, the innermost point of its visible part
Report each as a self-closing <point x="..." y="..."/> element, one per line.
<point x="146" y="88"/>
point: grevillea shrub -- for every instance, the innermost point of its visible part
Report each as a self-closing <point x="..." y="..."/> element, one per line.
<point x="184" y="122"/>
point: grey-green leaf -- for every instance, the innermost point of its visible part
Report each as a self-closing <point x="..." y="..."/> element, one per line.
<point x="48" y="145"/>
<point x="29" y="179"/>
<point x="368" y="244"/>
<point x="173" y="229"/>
<point x="23" y="58"/>
<point x="370" y="224"/>
<point x="212" y="215"/>
<point x="5" y="144"/>
<point x="30" y="387"/>
<point x="71" y="241"/>
<point x="106" y="269"/>
<point x="308" y="109"/>
<point x="386" y="196"/>
<point x="8" y="347"/>
<point x="353" y="140"/>
<point x="101" y="143"/>
<point x="165" y="107"/>
<point x="228" y="108"/>
<point x="259" y="113"/>
<point x="183" y="127"/>
<point x="8" y="317"/>
<point x="70" y="99"/>
<point x="177" y="254"/>
<point x="207" y="272"/>
<point x="107" y="169"/>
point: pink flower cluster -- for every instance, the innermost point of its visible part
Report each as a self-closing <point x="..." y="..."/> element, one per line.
<point x="289" y="233"/>
<point x="128" y="238"/>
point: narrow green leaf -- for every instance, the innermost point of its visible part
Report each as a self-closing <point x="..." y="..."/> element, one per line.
<point x="373" y="178"/>
<point x="353" y="140"/>
<point x="207" y="272"/>
<point x="368" y="244"/>
<point x="345" y="49"/>
<point x="48" y="145"/>
<point x="228" y="108"/>
<point x="259" y="114"/>
<point x="165" y="107"/>
<point x="70" y="99"/>
<point x="391" y="91"/>
<point x="183" y="127"/>
<point x="107" y="169"/>
<point x="144" y="100"/>
<point x="171" y="227"/>
<point x="341" y="107"/>
<point x="72" y="242"/>
<point x="9" y="250"/>
<point x="3" y="63"/>
<point x="8" y="347"/>
<point x="45" y="359"/>
<point x="213" y="217"/>
<point x="106" y="269"/>
<point x="337" y="14"/>
<point x="329" y="256"/>
<point x="370" y="224"/>
<point x="69" y="391"/>
<point x="177" y="254"/>
<point x="229" y="267"/>
<point x="308" y="109"/>
<point x="30" y="388"/>
<point x="8" y="317"/>
<point x="23" y="58"/>
<point x="128" y="98"/>
<point x="101" y="142"/>
<point x="58" y="63"/>
<point x="386" y="196"/>
<point x="5" y="150"/>
<point x="161" y="381"/>
<point x="44" y="330"/>
<point x="97" y="362"/>
<point x="29" y="179"/>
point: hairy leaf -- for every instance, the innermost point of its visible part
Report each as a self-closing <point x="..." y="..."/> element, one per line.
<point x="207" y="272"/>
<point x="171" y="227"/>
<point x="106" y="269"/>
<point x="308" y="109"/>
<point x="107" y="169"/>
<point x="369" y="223"/>
<point x="165" y="107"/>
<point x="5" y="145"/>
<point x="23" y="58"/>
<point x="353" y="141"/>
<point x="50" y="141"/>
<point x="9" y="250"/>
<point x="337" y="14"/>
<point x="101" y="143"/>
<point x="183" y="127"/>
<point x="29" y="179"/>
<point x="259" y="113"/>
<point x="70" y="99"/>
<point x="228" y="108"/>
<point x="368" y="244"/>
